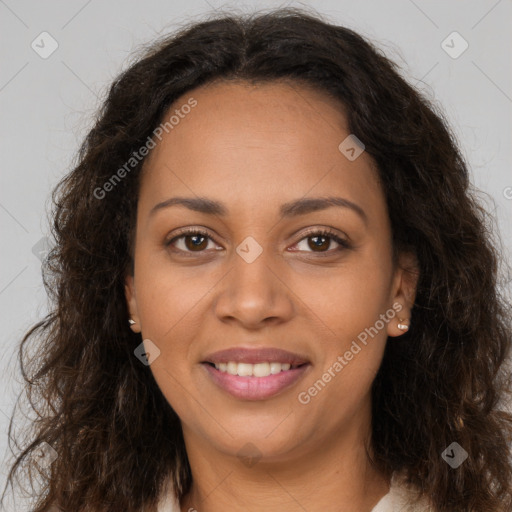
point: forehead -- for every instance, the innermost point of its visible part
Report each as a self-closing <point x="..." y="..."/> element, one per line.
<point x="251" y="145"/>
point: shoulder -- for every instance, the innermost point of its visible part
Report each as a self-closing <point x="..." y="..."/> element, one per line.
<point x="402" y="498"/>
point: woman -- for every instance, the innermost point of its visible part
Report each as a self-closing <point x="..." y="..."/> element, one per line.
<point x="273" y="289"/>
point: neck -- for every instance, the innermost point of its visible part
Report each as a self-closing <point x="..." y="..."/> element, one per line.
<point x="335" y="475"/>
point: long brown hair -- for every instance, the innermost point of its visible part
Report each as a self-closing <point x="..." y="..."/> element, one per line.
<point x="116" y="438"/>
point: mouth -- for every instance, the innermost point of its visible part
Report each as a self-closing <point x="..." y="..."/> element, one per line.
<point x="255" y="374"/>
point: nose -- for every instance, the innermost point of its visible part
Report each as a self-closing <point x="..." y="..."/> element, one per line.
<point x="254" y="293"/>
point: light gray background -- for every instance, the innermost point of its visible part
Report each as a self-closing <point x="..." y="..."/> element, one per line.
<point x="47" y="107"/>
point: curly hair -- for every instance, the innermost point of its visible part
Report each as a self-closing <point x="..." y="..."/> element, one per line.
<point x="444" y="381"/>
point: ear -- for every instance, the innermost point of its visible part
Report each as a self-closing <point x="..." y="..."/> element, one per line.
<point x="131" y="301"/>
<point x="403" y="293"/>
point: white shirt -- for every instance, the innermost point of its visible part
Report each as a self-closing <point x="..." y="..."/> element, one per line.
<point x="399" y="499"/>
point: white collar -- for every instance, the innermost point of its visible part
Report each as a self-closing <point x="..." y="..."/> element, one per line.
<point x="400" y="498"/>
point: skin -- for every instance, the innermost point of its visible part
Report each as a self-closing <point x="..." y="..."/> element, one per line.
<point x="255" y="147"/>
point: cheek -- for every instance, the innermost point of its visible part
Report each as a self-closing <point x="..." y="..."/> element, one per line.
<point x="351" y="352"/>
<point x="169" y="298"/>
<point x="347" y="306"/>
<point x="169" y="306"/>
<point x="345" y="300"/>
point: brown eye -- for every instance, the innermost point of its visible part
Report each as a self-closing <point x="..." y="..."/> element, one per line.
<point x="196" y="241"/>
<point x="320" y="241"/>
<point x="193" y="241"/>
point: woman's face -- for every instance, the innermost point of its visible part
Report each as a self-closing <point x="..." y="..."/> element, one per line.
<point x="263" y="277"/>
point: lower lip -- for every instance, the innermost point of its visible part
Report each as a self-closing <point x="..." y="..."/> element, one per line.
<point x="255" y="388"/>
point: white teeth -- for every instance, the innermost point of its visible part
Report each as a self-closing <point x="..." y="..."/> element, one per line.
<point x="244" y="370"/>
<point x="275" y="368"/>
<point x="261" y="369"/>
<point x="252" y="370"/>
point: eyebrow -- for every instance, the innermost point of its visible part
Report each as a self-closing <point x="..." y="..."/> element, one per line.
<point x="290" y="209"/>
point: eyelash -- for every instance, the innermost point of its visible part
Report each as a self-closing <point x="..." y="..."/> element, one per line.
<point x="322" y="232"/>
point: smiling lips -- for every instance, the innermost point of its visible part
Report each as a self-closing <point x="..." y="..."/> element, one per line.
<point x="255" y="374"/>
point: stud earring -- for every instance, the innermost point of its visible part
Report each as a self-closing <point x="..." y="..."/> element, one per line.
<point x="131" y="322"/>
<point x="401" y="326"/>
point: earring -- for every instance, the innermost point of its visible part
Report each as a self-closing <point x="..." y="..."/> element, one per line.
<point x="401" y="326"/>
<point x="131" y="322"/>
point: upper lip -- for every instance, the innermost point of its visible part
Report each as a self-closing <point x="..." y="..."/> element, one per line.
<point x="255" y="355"/>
